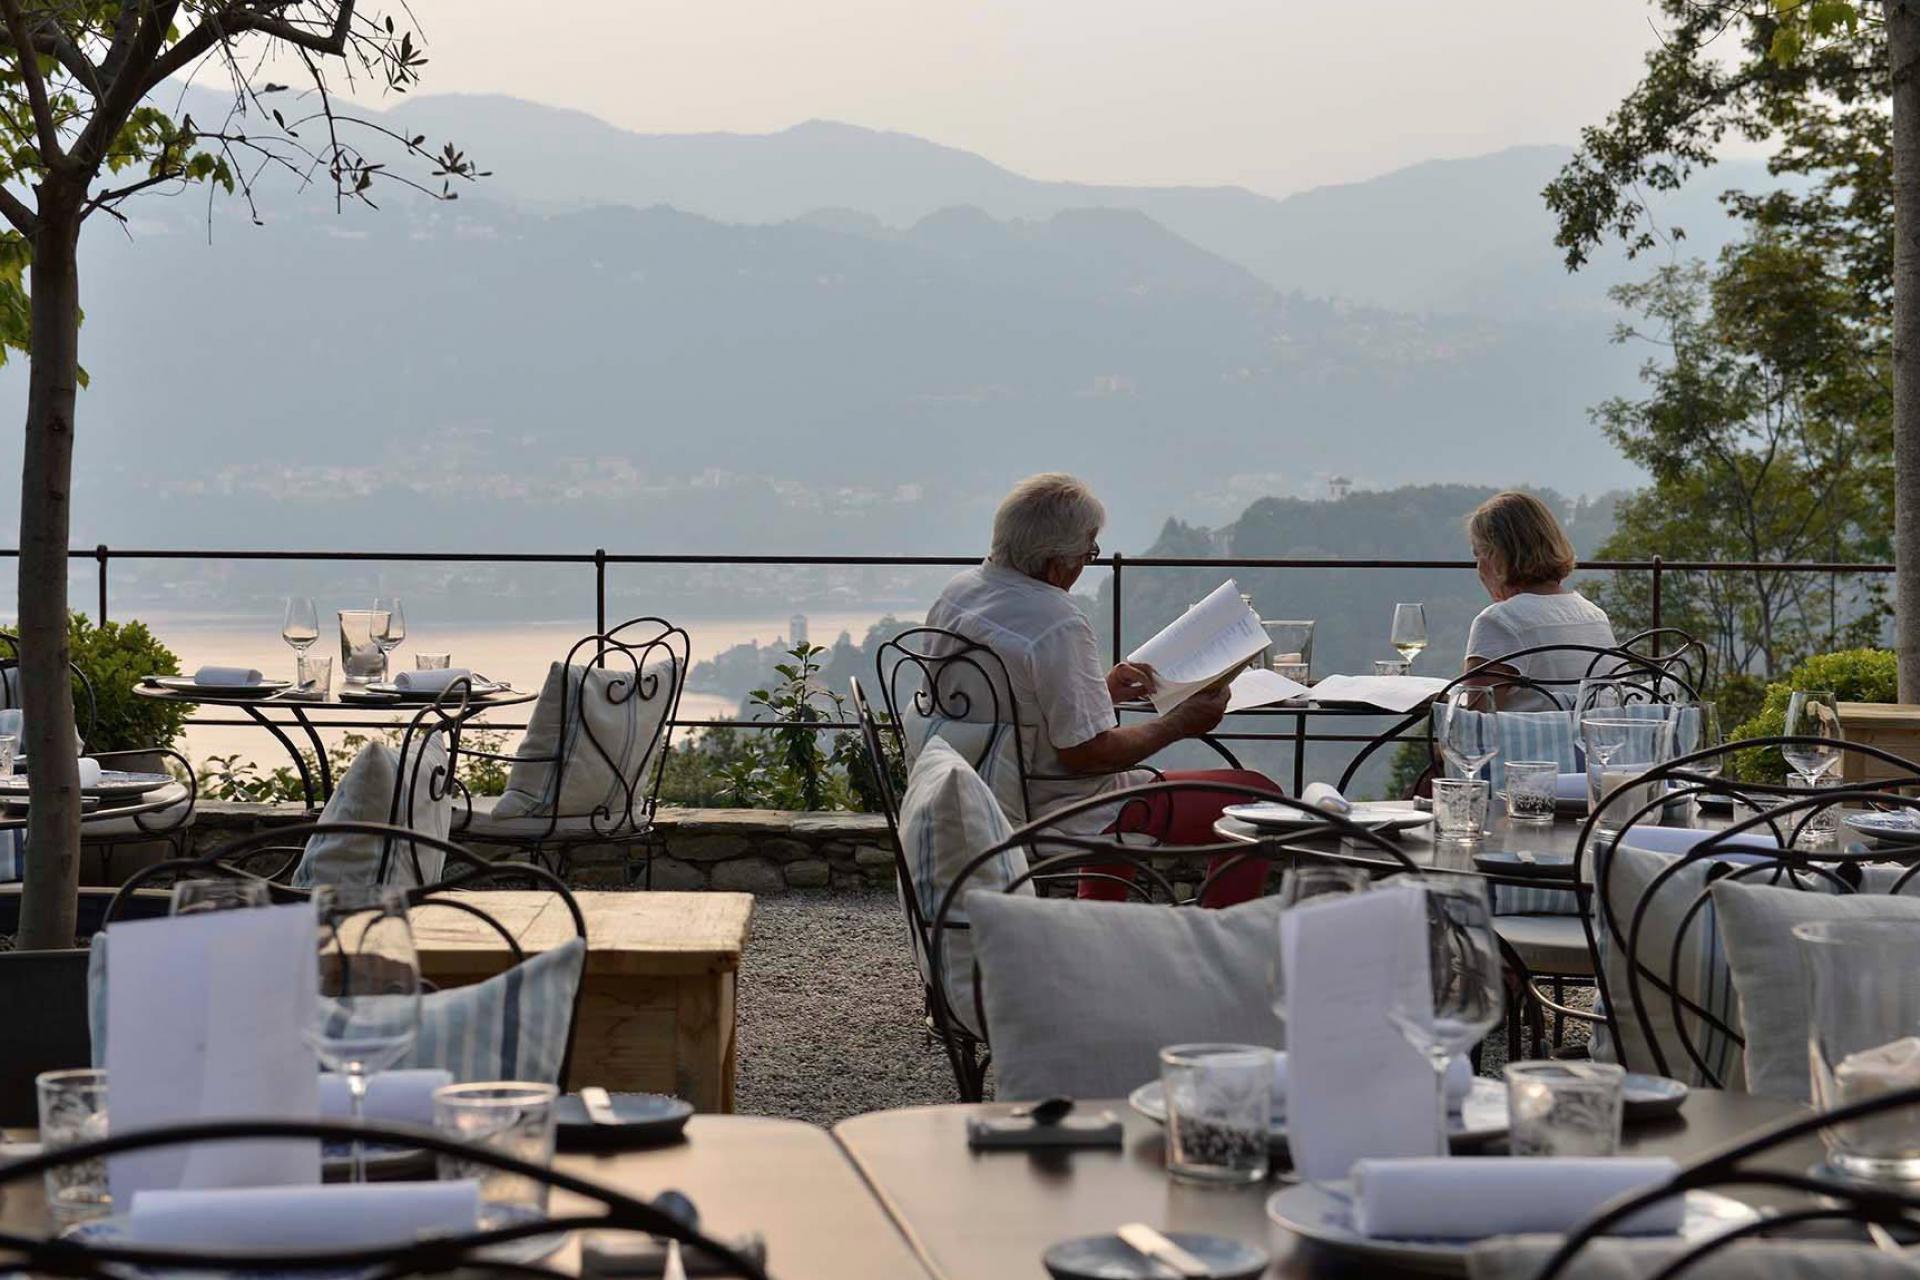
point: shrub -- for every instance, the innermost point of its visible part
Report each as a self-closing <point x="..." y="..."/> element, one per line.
<point x="115" y="657"/>
<point x="1854" y="675"/>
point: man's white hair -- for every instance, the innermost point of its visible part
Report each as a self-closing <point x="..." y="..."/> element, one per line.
<point x="1046" y="519"/>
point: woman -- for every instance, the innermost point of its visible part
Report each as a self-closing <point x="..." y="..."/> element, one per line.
<point x="1523" y="558"/>
<point x="1018" y="604"/>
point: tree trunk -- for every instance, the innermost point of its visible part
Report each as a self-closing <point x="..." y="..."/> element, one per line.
<point x="1903" y="57"/>
<point x="50" y="900"/>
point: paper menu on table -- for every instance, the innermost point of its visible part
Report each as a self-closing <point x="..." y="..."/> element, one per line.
<point x="207" y="1017"/>
<point x="1203" y="644"/>
<point x="1260" y="688"/>
<point x="1389" y="693"/>
<point x="1355" y="1086"/>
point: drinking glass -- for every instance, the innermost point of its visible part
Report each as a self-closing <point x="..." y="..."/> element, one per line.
<point x="1409" y="631"/>
<point x="369" y="1007"/>
<point x="1219" y="1111"/>
<point x="1530" y="790"/>
<point x="389" y="628"/>
<point x="314" y="676"/>
<point x="1815" y="828"/>
<point x="194" y="897"/>
<point x="1864" y="1039"/>
<point x="432" y="661"/>
<point x="1813" y="713"/>
<point x="1598" y="695"/>
<point x="513" y="1118"/>
<point x="1565" y="1108"/>
<point x="9" y="745"/>
<point x="1460" y="1000"/>
<point x="361" y="660"/>
<point x="300" y="625"/>
<point x="1619" y="752"/>
<point x="73" y="1110"/>
<point x="1391" y="666"/>
<point x="1460" y="808"/>
<point x="1289" y="643"/>
<point x="1469" y="729"/>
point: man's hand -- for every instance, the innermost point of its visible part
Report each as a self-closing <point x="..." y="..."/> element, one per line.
<point x="1200" y="713"/>
<point x="1130" y="680"/>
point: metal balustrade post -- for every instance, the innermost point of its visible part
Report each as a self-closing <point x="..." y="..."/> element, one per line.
<point x="600" y="604"/>
<point x="1656" y="592"/>
<point x="1118" y="615"/>
<point x="100" y="555"/>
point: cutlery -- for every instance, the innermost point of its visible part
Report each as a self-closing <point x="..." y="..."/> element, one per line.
<point x="1047" y="1111"/>
<point x="599" y="1105"/>
<point x="1149" y="1243"/>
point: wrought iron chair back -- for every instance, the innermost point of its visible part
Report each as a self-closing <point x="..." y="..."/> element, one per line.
<point x="936" y="675"/>
<point x="1730" y="854"/>
<point x="1752" y="1163"/>
<point x="1654" y="679"/>
<point x="430" y="1255"/>
<point x="86" y="705"/>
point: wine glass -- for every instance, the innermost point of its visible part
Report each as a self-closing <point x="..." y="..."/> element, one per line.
<point x="1451" y="997"/>
<point x="389" y="628"/>
<point x="300" y="625"/>
<point x="1696" y="727"/>
<point x="1813" y="713"/>
<point x="1470" y="729"/>
<point x="368" y="1012"/>
<point x="1409" y="631"/>
<point x="193" y="897"/>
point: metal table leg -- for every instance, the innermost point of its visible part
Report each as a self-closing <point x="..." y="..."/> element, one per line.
<point x="1299" y="752"/>
<point x="299" y="761"/>
<point x="319" y="754"/>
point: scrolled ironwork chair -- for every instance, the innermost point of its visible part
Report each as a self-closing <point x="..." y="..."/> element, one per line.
<point x="589" y="770"/>
<point x="86" y="1257"/>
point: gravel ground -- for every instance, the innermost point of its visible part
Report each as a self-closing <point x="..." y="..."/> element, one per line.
<point x="831" y="1020"/>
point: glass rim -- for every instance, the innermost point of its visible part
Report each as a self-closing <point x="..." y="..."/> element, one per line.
<point x="1216" y="1053"/>
<point x="1546" y="1068"/>
<point x="1827" y="933"/>
<point x="1532" y="764"/>
<point x="66" y="1076"/>
<point x="1460" y="784"/>
<point x="495" y="1093"/>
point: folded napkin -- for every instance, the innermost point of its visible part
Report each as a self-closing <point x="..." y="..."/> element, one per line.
<point x="1570" y="786"/>
<point x="1473" y="1197"/>
<point x="1326" y="798"/>
<point x="397" y="1097"/>
<point x="368" y="1216"/>
<point x="226" y="675"/>
<point x="1459" y="1083"/>
<point x="430" y="681"/>
<point x="89" y="771"/>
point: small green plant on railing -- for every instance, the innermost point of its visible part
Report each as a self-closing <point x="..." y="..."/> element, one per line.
<point x="799" y="770"/>
<point x="238" y="779"/>
<point x="1854" y="675"/>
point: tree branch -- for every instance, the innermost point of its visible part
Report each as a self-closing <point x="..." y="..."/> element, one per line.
<point x="126" y="89"/>
<point x="16" y="212"/>
<point x="29" y="64"/>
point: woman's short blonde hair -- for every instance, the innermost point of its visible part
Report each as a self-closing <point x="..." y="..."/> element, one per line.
<point x="1518" y="536"/>
<point x="1046" y="519"/>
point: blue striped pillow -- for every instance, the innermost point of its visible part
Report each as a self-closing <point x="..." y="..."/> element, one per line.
<point x="991" y="747"/>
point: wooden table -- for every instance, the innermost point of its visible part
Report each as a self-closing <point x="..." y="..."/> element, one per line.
<point x="991" y="1215"/>
<point x="784" y="1179"/>
<point x="657" y="1003"/>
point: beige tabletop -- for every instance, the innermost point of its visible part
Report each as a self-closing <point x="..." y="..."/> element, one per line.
<point x="987" y="1216"/>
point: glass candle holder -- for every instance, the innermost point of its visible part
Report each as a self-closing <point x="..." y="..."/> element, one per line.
<point x="1219" y="1111"/>
<point x="1565" y="1108"/>
<point x="73" y="1110"/>
<point x="1864" y="1039"/>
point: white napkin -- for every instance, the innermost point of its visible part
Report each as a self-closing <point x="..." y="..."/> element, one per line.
<point x="430" y="681"/>
<point x="368" y="1216"/>
<point x="1473" y="1197"/>
<point x="89" y="771"/>
<point x="1326" y="797"/>
<point x="226" y="675"/>
<point x="1459" y="1083"/>
<point x="397" y="1097"/>
<point x="1570" y="786"/>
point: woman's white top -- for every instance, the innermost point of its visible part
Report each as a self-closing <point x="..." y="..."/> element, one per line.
<point x="1529" y="620"/>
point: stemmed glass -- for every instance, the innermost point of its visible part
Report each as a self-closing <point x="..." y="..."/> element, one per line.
<point x="1696" y="727"/>
<point x="1409" y="631"/>
<point x="1813" y="713"/>
<point x="1458" y="1002"/>
<point x="1470" y="729"/>
<point x="368" y="1012"/>
<point x="389" y="628"/>
<point x="300" y="626"/>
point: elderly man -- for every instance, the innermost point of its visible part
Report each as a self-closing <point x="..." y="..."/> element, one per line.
<point x="1017" y="604"/>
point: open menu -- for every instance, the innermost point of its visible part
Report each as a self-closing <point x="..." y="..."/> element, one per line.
<point x="1201" y="648"/>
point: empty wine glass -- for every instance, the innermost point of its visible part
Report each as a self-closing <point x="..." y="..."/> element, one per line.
<point x="1452" y="996"/>
<point x="368" y="1012"/>
<point x="1409" y="631"/>
<point x="1813" y="713"/>
<point x="1696" y="727"/>
<point x="300" y="625"/>
<point x="1470" y="729"/>
<point x="389" y="628"/>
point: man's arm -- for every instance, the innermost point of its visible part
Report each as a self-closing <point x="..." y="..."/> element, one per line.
<point x="1124" y="746"/>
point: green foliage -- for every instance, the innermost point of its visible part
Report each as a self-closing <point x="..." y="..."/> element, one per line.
<point x="1411" y="760"/>
<point x="1854" y="675"/>
<point x="237" y="778"/>
<point x="115" y="657"/>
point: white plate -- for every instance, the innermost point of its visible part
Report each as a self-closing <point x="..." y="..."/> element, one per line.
<point x="186" y="684"/>
<point x="1323" y="1212"/>
<point x="1482" y="1117"/>
<point x="1379" y="815"/>
<point x="113" y="784"/>
<point x="1885" y="826"/>
<point x="481" y="688"/>
<point x="114" y="1231"/>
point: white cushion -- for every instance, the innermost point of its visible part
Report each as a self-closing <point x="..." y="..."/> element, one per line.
<point x="1082" y="996"/>
<point x="1549" y="945"/>
<point x="993" y="749"/>
<point x="615" y="730"/>
<point x="947" y="817"/>
<point x="482" y="820"/>
<point x="365" y="794"/>
<point x="1768" y="969"/>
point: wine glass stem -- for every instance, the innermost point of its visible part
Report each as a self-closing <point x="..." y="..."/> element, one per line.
<point x="1440" y="1065"/>
<point x="356" y="1097"/>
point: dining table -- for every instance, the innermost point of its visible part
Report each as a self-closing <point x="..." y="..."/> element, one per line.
<point x="291" y="712"/>
<point x="973" y="1215"/>
<point x="1349" y="723"/>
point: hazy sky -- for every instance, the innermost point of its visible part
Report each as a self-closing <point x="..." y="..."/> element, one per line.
<point x="1273" y="94"/>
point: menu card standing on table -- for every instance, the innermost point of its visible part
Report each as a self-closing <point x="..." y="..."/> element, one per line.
<point x="1355" y="1087"/>
<point x="207" y="1018"/>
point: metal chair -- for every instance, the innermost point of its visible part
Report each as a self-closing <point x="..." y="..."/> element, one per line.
<point x="649" y="658"/>
<point x="87" y="1259"/>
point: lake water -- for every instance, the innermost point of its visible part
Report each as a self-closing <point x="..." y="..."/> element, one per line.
<point x="518" y="653"/>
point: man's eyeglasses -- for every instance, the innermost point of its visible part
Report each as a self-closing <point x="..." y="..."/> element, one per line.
<point x="1092" y="555"/>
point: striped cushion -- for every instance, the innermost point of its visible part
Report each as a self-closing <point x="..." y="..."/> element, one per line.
<point x="993" y="749"/>
<point x="513" y="1026"/>
<point x="13" y="856"/>
<point x="365" y="794"/>
<point x="613" y="735"/>
<point x="1524" y="735"/>
<point x="947" y="817"/>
